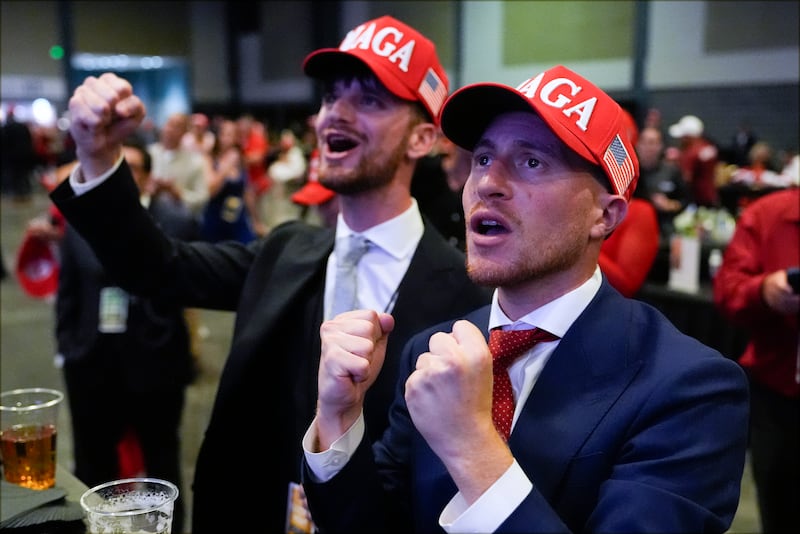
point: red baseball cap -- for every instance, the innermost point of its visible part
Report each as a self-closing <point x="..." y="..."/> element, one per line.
<point x="313" y="193"/>
<point x="585" y="118"/>
<point x="37" y="267"/>
<point x="403" y="59"/>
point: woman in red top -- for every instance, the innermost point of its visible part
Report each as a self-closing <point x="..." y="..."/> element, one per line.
<point x="627" y="256"/>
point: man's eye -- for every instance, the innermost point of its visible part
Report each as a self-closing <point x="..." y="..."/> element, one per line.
<point x="532" y="163"/>
<point x="371" y="101"/>
<point x="483" y="160"/>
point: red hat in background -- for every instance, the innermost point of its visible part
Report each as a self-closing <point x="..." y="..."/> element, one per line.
<point x="313" y="193"/>
<point x="403" y="59"/>
<point x="585" y="118"/>
<point x="37" y="267"/>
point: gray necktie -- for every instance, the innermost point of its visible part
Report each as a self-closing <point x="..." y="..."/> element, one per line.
<point x="349" y="251"/>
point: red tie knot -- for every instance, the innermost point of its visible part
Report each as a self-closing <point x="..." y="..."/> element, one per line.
<point x="507" y="345"/>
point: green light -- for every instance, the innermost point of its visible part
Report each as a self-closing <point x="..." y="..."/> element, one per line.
<point x="56" y="52"/>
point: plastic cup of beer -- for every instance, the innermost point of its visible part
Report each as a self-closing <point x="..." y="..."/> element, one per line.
<point x="28" y="436"/>
<point x="130" y="505"/>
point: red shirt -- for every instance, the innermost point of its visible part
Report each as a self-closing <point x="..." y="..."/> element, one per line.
<point x="627" y="256"/>
<point x="698" y="163"/>
<point x="767" y="239"/>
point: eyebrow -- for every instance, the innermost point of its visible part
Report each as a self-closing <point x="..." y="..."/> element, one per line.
<point x="548" y="148"/>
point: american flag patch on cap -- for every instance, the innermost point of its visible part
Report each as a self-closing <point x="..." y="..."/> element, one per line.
<point x="619" y="165"/>
<point x="433" y="91"/>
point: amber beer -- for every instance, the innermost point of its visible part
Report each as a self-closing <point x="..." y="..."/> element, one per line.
<point x="28" y="436"/>
<point x="29" y="456"/>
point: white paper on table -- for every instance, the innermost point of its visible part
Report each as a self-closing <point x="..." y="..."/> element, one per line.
<point x="684" y="272"/>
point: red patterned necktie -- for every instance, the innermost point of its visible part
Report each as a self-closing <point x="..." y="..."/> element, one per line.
<point x="506" y="346"/>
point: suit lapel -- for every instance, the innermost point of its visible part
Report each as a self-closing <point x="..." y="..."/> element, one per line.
<point x="577" y="387"/>
<point x="299" y="261"/>
<point x="426" y="278"/>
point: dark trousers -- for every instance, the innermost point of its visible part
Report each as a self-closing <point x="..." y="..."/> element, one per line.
<point x="101" y="412"/>
<point x="775" y="458"/>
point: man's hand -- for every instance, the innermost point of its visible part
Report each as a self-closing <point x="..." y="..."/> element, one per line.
<point x="353" y="349"/>
<point x="103" y="112"/>
<point x="449" y="395"/>
<point x="449" y="398"/>
<point x="778" y="294"/>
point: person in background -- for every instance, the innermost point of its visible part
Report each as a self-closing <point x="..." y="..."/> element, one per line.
<point x="437" y="199"/>
<point x="376" y="120"/>
<point x="752" y="291"/>
<point x="455" y="163"/>
<point x="228" y="214"/>
<point x="254" y="140"/>
<point x="126" y="359"/>
<point x="17" y="158"/>
<point x="698" y="158"/>
<point x="742" y="140"/>
<point x="629" y="252"/>
<point x="761" y="170"/>
<point x="621" y="423"/>
<point x="199" y="138"/>
<point x="791" y="167"/>
<point x="660" y="182"/>
<point x="178" y="173"/>
<point x="286" y="171"/>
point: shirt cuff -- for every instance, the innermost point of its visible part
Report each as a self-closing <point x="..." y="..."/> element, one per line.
<point x="326" y="464"/>
<point x="492" y="508"/>
<point x="80" y="188"/>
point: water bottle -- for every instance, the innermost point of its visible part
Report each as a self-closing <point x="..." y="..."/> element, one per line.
<point x="714" y="262"/>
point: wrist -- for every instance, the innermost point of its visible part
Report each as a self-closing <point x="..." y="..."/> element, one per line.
<point x="97" y="164"/>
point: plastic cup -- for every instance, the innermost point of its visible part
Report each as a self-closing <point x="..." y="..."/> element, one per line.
<point x="130" y="506"/>
<point x="28" y="436"/>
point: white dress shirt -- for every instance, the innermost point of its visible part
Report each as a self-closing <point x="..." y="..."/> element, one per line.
<point x="384" y="265"/>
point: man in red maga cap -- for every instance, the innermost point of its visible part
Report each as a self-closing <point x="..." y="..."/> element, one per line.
<point x="382" y="91"/>
<point x="621" y="423"/>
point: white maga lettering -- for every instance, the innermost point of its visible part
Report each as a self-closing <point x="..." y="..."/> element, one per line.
<point x="383" y="43"/>
<point x="549" y="96"/>
<point x="584" y="111"/>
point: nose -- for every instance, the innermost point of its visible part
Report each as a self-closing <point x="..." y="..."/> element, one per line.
<point x="340" y="108"/>
<point x="490" y="182"/>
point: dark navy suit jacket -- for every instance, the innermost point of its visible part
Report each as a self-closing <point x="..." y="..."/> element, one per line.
<point x="631" y="427"/>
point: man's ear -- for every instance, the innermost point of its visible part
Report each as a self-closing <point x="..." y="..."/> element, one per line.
<point x="422" y="140"/>
<point x="616" y="207"/>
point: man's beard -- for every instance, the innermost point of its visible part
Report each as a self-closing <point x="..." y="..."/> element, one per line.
<point x="531" y="265"/>
<point x="369" y="174"/>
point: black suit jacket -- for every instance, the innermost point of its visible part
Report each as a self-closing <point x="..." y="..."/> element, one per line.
<point x="154" y="352"/>
<point x="269" y="382"/>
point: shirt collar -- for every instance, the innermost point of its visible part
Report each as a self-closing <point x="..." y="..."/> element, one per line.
<point x="398" y="236"/>
<point x="557" y="315"/>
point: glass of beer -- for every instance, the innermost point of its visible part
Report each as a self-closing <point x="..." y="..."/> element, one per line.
<point x="28" y="436"/>
<point x="130" y="505"/>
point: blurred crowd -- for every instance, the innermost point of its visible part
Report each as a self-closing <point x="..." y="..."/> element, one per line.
<point x="237" y="178"/>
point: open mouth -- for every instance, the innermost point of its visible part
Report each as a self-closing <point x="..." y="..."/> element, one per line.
<point x="488" y="227"/>
<point x="340" y="143"/>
